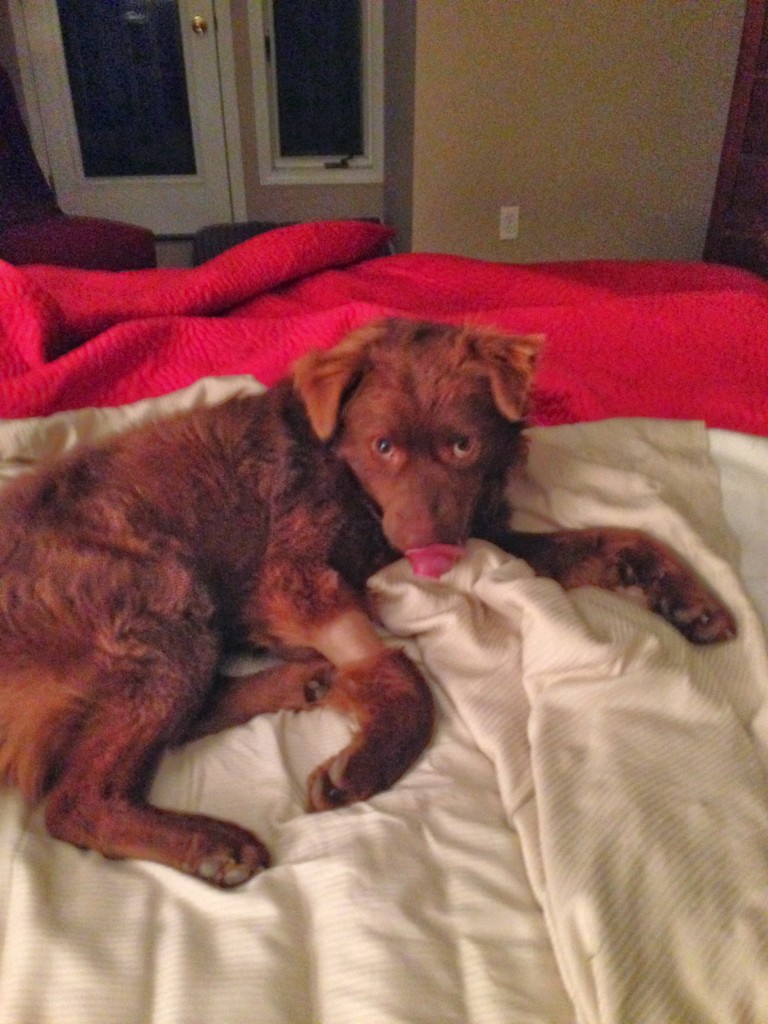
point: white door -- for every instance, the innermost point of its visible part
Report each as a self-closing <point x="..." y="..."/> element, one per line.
<point x="130" y="105"/>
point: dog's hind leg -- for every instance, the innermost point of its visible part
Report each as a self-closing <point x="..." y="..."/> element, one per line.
<point x="147" y="692"/>
<point x="99" y="803"/>
<point x="383" y="692"/>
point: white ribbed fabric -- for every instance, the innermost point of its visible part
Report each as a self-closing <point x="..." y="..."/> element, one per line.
<point x="644" y="820"/>
<point x="583" y="841"/>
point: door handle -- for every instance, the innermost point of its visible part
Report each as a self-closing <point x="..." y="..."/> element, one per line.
<point x="199" y="25"/>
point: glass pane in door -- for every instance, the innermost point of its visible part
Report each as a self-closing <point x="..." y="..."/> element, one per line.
<point x="126" y="73"/>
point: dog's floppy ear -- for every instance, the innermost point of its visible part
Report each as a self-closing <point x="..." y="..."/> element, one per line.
<point x="322" y="378"/>
<point x="509" y="363"/>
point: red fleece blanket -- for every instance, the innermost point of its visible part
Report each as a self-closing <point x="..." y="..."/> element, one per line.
<point x="671" y="340"/>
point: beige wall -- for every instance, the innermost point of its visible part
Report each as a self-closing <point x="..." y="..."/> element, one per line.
<point x="602" y="119"/>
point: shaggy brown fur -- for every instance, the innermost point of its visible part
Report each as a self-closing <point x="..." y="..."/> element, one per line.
<point x="126" y="570"/>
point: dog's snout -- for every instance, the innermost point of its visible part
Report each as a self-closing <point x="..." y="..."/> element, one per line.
<point x="418" y="523"/>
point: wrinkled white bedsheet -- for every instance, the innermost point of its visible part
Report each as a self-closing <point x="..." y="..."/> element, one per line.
<point x="585" y="840"/>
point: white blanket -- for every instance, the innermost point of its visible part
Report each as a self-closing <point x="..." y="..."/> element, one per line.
<point x="585" y="840"/>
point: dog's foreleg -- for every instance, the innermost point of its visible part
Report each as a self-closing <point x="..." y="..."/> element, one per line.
<point x="627" y="562"/>
<point x="376" y="686"/>
<point x="393" y="707"/>
<point x="387" y="696"/>
<point x="310" y="605"/>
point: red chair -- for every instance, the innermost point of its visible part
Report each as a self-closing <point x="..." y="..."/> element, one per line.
<point x="33" y="228"/>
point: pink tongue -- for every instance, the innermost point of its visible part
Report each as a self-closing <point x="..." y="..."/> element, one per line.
<point x="434" y="560"/>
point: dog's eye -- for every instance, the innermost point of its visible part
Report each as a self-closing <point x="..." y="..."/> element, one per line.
<point x="383" y="446"/>
<point x="462" y="446"/>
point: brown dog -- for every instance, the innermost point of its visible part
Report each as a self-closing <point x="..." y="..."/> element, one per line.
<point x="126" y="570"/>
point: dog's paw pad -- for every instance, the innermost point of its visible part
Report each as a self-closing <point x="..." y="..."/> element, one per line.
<point x="227" y="868"/>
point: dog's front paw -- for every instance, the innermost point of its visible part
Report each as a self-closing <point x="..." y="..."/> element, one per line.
<point x="361" y="770"/>
<point x="394" y="709"/>
<point x="653" y="576"/>
<point x="357" y="773"/>
<point x="699" y="616"/>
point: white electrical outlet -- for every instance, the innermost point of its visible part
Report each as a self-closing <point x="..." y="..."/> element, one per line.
<point x="509" y="222"/>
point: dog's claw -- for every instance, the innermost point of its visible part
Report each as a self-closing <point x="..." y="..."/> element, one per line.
<point x="315" y="690"/>
<point x="333" y="795"/>
<point x="323" y="795"/>
<point x="326" y="786"/>
<point x="236" y="876"/>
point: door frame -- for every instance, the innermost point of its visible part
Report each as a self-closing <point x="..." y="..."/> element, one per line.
<point x="227" y="81"/>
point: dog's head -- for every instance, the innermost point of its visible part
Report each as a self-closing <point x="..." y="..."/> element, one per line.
<point x="427" y="416"/>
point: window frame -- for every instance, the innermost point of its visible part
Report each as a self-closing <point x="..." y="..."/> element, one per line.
<point x="274" y="169"/>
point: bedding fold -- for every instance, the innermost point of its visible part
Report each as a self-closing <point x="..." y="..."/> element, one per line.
<point x="680" y="341"/>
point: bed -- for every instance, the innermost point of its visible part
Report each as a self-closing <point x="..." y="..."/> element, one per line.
<point x="586" y="838"/>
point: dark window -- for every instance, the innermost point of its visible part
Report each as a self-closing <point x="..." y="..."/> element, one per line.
<point x="318" y="70"/>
